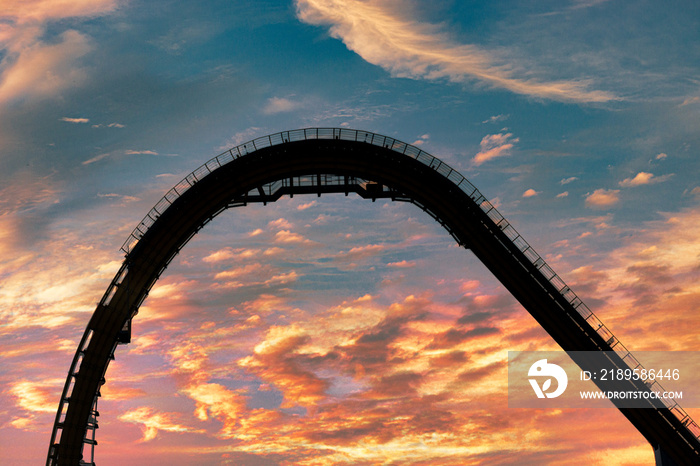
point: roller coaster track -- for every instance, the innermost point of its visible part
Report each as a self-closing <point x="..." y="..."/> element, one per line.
<point x="335" y="160"/>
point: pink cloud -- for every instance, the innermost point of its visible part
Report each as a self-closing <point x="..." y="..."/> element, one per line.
<point x="402" y="264"/>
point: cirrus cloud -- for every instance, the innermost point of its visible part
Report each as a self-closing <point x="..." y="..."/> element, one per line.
<point x="382" y="34"/>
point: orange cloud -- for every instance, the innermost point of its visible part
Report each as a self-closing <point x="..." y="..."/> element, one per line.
<point x="404" y="264"/>
<point x="277" y="361"/>
<point x="34" y="397"/>
<point x="43" y="70"/>
<point x="493" y="146"/>
<point x="358" y="252"/>
<point x="23" y="11"/>
<point x="219" y="402"/>
<point x="245" y="271"/>
<point x="36" y="69"/>
<point x="603" y="198"/>
<point x="643" y="178"/>
<point x="75" y="120"/>
<point x="286" y="236"/>
<point x="152" y="422"/>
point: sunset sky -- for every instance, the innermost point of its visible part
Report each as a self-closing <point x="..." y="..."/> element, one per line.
<point x="335" y="330"/>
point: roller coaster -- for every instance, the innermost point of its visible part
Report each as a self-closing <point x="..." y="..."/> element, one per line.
<point x="339" y="160"/>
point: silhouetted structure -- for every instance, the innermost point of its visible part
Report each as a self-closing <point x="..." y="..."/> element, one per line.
<point x="334" y="160"/>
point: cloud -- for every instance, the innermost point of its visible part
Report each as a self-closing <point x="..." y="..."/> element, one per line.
<point x="382" y="34"/>
<point x="691" y="100"/>
<point x="102" y="156"/>
<point x="217" y="401"/>
<point x="421" y="140"/>
<point x="241" y="137"/>
<point x="493" y="146"/>
<point x="404" y="264"/>
<point x="286" y="236"/>
<point x="245" y="271"/>
<point x="602" y="198"/>
<point x="97" y="158"/>
<point x="152" y="422"/>
<point x="34" y="68"/>
<point x="656" y="273"/>
<point x="109" y="125"/>
<point x="230" y="253"/>
<point x="124" y="198"/>
<point x="306" y="205"/>
<point x="75" y="120"/>
<point x="44" y="70"/>
<point x="280" y="105"/>
<point x="277" y="361"/>
<point x="140" y="152"/>
<point x="530" y="193"/>
<point x="360" y="252"/>
<point x="643" y="178"/>
<point x="661" y="156"/>
<point x="33" y="397"/>
<point x="564" y="194"/>
<point x="495" y="119"/>
<point x="26" y="11"/>
<point x="568" y="180"/>
<point x="280" y="223"/>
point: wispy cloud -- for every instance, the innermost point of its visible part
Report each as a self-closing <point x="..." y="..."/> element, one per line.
<point x="109" y="125"/>
<point x="152" y="422"/>
<point x="140" y="152"/>
<point x="495" y="119"/>
<point x="75" y="120"/>
<point x="493" y="146"/>
<point x="382" y="34"/>
<point x="97" y="158"/>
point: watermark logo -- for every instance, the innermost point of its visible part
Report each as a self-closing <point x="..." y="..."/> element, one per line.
<point x="543" y="369"/>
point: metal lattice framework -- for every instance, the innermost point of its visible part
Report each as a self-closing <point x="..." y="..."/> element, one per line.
<point x="339" y="160"/>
